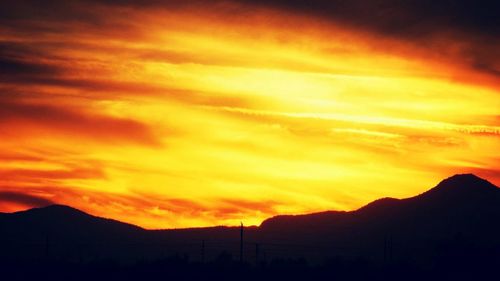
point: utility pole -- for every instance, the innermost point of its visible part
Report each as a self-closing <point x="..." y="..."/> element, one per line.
<point x="241" y="242"/>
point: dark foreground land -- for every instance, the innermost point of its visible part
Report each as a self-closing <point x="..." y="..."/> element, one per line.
<point x="457" y="266"/>
<point x="451" y="232"/>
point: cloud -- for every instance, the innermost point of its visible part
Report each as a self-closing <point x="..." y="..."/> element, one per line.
<point x="34" y="71"/>
<point x="142" y="209"/>
<point x="32" y="175"/>
<point x="28" y="200"/>
<point x="456" y="30"/>
<point x="16" y="117"/>
<point x="13" y="67"/>
<point x="466" y="21"/>
<point x="7" y="156"/>
<point x="404" y="18"/>
<point x="237" y="208"/>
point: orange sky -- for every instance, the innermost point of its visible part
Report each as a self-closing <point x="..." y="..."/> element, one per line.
<point x="200" y="116"/>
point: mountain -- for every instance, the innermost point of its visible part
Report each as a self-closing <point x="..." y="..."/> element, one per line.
<point x="461" y="212"/>
<point x="463" y="207"/>
<point x="465" y="195"/>
<point x="62" y="222"/>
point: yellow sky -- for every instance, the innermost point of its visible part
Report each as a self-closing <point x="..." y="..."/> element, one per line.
<point x="184" y="120"/>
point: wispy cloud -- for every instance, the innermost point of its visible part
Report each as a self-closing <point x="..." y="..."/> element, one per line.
<point x="26" y="200"/>
<point x="28" y="118"/>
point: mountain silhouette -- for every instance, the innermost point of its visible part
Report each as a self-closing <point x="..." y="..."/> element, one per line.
<point x="62" y="222"/>
<point x="461" y="212"/>
<point x="464" y="206"/>
<point x="464" y="194"/>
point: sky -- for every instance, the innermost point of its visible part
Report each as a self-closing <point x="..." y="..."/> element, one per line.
<point x="171" y="114"/>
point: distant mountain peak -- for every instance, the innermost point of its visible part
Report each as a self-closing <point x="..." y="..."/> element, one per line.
<point x="60" y="207"/>
<point x="466" y="180"/>
<point x="68" y="218"/>
<point x="56" y="212"/>
<point x="462" y="185"/>
<point x="56" y="208"/>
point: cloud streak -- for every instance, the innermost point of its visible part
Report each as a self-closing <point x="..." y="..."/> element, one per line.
<point x="24" y="199"/>
<point x="437" y="25"/>
<point x="69" y="122"/>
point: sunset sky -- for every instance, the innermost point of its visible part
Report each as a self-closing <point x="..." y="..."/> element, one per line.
<point x="196" y="113"/>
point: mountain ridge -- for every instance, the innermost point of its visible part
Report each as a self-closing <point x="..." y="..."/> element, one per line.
<point x="459" y="206"/>
<point x="472" y="182"/>
<point x="447" y="186"/>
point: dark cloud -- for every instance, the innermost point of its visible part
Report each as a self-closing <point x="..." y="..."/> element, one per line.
<point x="10" y="67"/>
<point x="72" y="122"/>
<point x="404" y="18"/>
<point x="21" y="63"/>
<point x="25" y="65"/>
<point x="459" y="30"/>
<point x="30" y="13"/>
<point x="24" y="199"/>
<point x="463" y="30"/>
